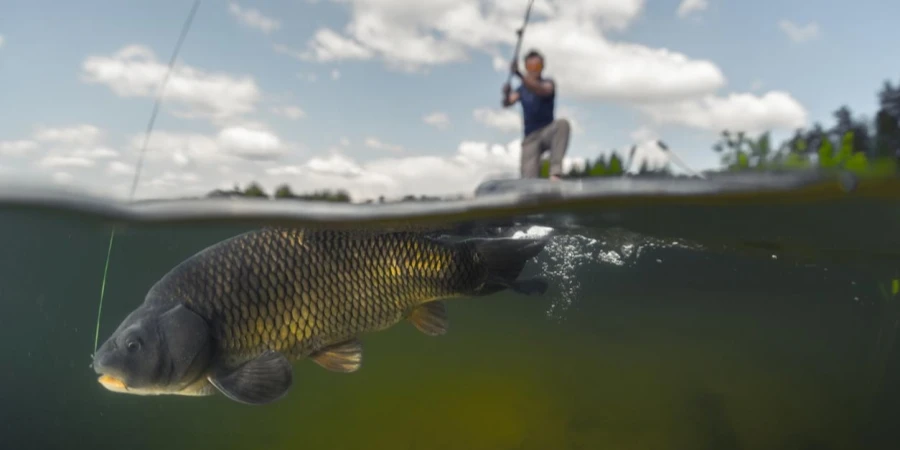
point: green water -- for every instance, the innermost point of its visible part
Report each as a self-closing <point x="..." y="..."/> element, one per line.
<point x="675" y="349"/>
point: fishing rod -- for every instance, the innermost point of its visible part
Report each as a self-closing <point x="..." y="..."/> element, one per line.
<point x="137" y="168"/>
<point x="519" y="32"/>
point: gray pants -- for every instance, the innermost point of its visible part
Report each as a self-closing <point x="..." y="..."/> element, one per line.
<point x="553" y="137"/>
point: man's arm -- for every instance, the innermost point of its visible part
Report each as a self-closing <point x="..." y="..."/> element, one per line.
<point x="509" y="97"/>
<point x="541" y="88"/>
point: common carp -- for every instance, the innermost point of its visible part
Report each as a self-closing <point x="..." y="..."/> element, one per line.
<point x="233" y="317"/>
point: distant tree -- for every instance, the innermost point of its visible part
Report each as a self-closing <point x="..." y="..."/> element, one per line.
<point x="599" y="169"/>
<point x="255" y="190"/>
<point x="845" y="151"/>
<point x="614" y="168"/>
<point x="843" y="121"/>
<point x="826" y="153"/>
<point x="887" y="134"/>
<point x="853" y="142"/>
<point x="760" y="150"/>
<point x="797" y="143"/>
<point x="284" y="191"/>
<point x="734" y="149"/>
<point x="887" y="122"/>
<point x="338" y="196"/>
<point x="586" y="170"/>
<point x="889" y="99"/>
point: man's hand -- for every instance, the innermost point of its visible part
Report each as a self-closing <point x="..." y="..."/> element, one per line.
<point x="509" y="97"/>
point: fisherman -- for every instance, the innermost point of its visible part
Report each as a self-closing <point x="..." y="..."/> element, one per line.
<point x="542" y="131"/>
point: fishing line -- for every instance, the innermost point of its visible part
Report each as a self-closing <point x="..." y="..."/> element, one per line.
<point x="678" y="160"/>
<point x="139" y="165"/>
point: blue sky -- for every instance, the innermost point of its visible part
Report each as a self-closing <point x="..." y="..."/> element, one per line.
<point x="73" y="105"/>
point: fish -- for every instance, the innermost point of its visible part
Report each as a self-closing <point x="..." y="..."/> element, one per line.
<point x="234" y="317"/>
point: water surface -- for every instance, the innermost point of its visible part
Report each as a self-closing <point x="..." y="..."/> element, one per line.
<point x="718" y="320"/>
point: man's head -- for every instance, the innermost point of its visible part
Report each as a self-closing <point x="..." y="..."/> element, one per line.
<point x="534" y="62"/>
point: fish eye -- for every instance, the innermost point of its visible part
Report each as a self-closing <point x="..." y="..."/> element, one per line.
<point x="133" y="345"/>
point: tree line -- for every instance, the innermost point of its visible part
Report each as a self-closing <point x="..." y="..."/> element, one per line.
<point x="853" y="142"/>
<point x="282" y="192"/>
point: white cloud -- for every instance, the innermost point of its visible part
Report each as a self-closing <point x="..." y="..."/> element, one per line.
<point x="253" y="18"/>
<point x="18" y="147"/>
<point x="335" y="74"/>
<point x="328" y="45"/>
<point x="508" y="120"/>
<point x="291" y="112"/>
<point x="344" y="141"/>
<point x="395" y="177"/>
<point x="587" y="66"/>
<point x="182" y="149"/>
<point x="747" y="112"/>
<point x="185" y="164"/>
<point x="643" y="134"/>
<point x="172" y="179"/>
<point x="1" y="41"/>
<point x="799" y="33"/>
<point x="459" y="173"/>
<point x="372" y="142"/>
<point x="134" y="71"/>
<point x="251" y="143"/>
<point x="119" y="168"/>
<point x="63" y="177"/>
<point x="95" y="153"/>
<point x="83" y="134"/>
<point x="409" y="35"/>
<point x="686" y="7"/>
<point x="573" y="34"/>
<point x="437" y="119"/>
<point x="52" y="161"/>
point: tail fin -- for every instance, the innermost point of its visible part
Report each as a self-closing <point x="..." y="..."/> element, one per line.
<point x="504" y="259"/>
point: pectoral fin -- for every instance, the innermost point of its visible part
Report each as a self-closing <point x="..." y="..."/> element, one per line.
<point x="431" y="318"/>
<point x="343" y="357"/>
<point x="262" y="380"/>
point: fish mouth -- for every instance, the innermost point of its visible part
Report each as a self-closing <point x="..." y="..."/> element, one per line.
<point x="112" y="383"/>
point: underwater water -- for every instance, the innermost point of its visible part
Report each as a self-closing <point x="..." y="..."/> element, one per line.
<point x="757" y="318"/>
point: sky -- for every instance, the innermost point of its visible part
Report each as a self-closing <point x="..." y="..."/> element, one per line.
<point x="397" y="97"/>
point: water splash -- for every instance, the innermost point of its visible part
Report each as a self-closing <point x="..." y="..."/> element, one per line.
<point x="567" y="253"/>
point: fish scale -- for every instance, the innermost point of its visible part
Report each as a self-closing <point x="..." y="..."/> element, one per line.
<point x="297" y="291"/>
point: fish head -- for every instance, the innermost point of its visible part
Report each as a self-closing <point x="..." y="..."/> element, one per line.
<point x="156" y="350"/>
